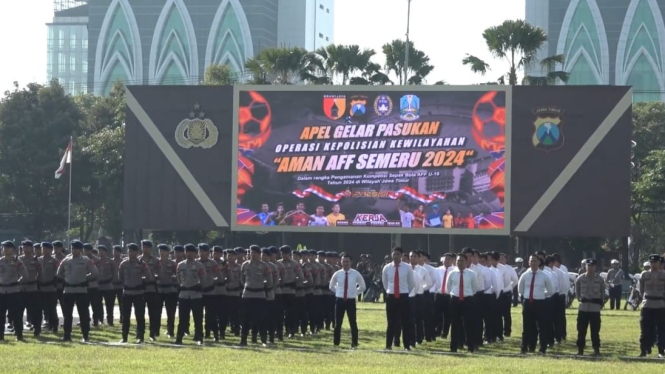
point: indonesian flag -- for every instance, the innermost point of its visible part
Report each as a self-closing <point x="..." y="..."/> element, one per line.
<point x="66" y="159"/>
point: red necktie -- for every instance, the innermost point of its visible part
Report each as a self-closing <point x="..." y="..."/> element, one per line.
<point x="533" y="281"/>
<point x="443" y="285"/>
<point x="346" y="284"/>
<point x="396" y="290"/>
<point x="461" y="285"/>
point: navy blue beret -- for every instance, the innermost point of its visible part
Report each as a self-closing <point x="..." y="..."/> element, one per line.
<point x="312" y="252"/>
<point x="178" y="248"/>
<point x="265" y="251"/>
<point x="254" y="248"/>
<point x="163" y="247"/>
<point x="37" y="245"/>
<point x="285" y="249"/>
<point x="117" y="248"/>
<point x="58" y="244"/>
<point x="27" y="243"/>
<point x="146" y="243"/>
<point x="204" y="247"/>
<point x="47" y="245"/>
<point x="190" y="248"/>
<point x="77" y="244"/>
<point x="654" y="258"/>
<point x="218" y="249"/>
<point x="8" y="244"/>
<point x="321" y="253"/>
<point x="87" y="246"/>
<point x="239" y="250"/>
<point x="102" y="248"/>
<point x="133" y="247"/>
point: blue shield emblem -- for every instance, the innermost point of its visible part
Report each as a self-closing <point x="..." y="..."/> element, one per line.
<point x="409" y="107"/>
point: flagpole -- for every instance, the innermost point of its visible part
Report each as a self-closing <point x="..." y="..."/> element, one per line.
<point x="69" y="207"/>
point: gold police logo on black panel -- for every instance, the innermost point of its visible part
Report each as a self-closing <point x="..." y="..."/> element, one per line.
<point x="196" y="131"/>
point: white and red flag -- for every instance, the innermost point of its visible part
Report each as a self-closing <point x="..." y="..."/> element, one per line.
<point x="66" y="159"/>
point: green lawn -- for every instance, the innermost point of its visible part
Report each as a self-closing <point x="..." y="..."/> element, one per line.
<point x="619" y="334"/>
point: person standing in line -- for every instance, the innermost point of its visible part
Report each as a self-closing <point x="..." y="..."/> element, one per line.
<point x="270" y="309"/>
<point x="30" y="300"/>
<point x="510" y="281"/>
<point x="300" y="300"/>
<point x="256" y="277"/>
<point x="233" y="289"/>
<point x="47" y="286"/>
<point x="614" y="281"/>
<point x="212" y="272"/>
<point x="346" y="283"/>
<point x="290" y="281"/>
<point x="564" y="288"/>
<point x="58" y="254"/>
<point x="117" y="285"/>
<point x="462" y="285"/>
<point x="151" y="295"/>
<point x="108" y="273"/>
<point x="589" y="290"/>
<point x="94" y="295"/>
<point x="428" y="297"/>
<point x="398" y="281"/>
<point x="320" y="288"/>
<point x="167" y="288"/>
<point x="328" y="304"/>
<point x="494" y="317"/>
<point x="442" y="298"/>
<point x="132" y="273"/>
<point x="278" y="316"/>
<point x="310" y="287"/>
<point x="652" y="315"/>
<point x="426" y="282"/>
<point x="519" y="269"/>
<point x="533" y="286"/>
<point x="75" y="270"/>
<point x="220" y="292"/>
<point x="475" y="310"/>
<point x="190" y="274"/>
<point x="11" y="272"/>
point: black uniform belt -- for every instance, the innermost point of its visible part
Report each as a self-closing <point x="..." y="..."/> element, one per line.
<point x="221" y="284"/>
<point x="165" y="285"/>
<point x="233" y="289"/>
<point x="255" y="289"/>
<point x="150" y="283"/>
<point x="592" y="301"/>
<point x="289" y="285"/>
<point x="654" y="298"/>
<point x="83" y="284"/>
<point x="193" y="288"/>
<point x="105" y="281"/>
<point x="51" y="283"/>
<point x="135" y="288"/>
<point x="208" y="289"/>
<point x="269" y="288"/>
<point x="9" y="284"/>
<point x="29" y="283"/>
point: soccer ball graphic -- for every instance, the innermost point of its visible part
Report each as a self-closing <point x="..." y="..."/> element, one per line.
<point x="489" y="123"/>
<point x="254" y="117"/>
<point x="496" y="171"/>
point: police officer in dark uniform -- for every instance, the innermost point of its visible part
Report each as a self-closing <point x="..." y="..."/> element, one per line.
<point x="190" y="275"/>
<point x="589" y="289"/>
<point x="133" y="274"/>
<point x="11" y="272"/>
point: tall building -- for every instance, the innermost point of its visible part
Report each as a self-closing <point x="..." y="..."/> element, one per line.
<point x="307" y="24"/>
<point x="615" y="42"/>
<point x="67" y="46"/>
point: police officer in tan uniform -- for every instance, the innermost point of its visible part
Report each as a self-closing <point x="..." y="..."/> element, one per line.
<point x="208" y="291"/>
<point x="11" y="272"/>
<point x="256" y="277"/>
<point x="134" y="273"/>
<point x="117" y="285"/>
<point x="151" y="295"/>
<point x="278" y="315"/>
<point x="304" y="304"/>
<point x="233" y="289"/>
<point x="190" y="276"/>
<point x="167" y="288"/>
<point x="269" y="321"/>
<point x="31" y="301"/>
<point x="291" y="283"/>
<point x="652" y="316"/>
<point x="220" y="292"/>
<point x="328" y="306"/>
<point x="108" y="273"/>
<point x="94" y="295"/>
<point x="47" y="286"/>
<point x="589" y="289"/>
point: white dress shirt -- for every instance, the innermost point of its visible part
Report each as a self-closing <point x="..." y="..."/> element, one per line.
<point x="564" y="281"/>
<point x="509" y="277"/>
<point x="419" y="281"/>
<point x="406" y="278"/>
<point x="480" y="278"/>
<point x="563" y="268"/>
<point x="488" y="279"/>
<point x="470" y="283"/>
<point x="497" y="281"/>
<point x="442" y="272"/>
<point x="318" y="221"/>
<point x="432" y="276"/>
<point x="356" y="284"/>
<point x="426" y="280"/>
<point x="541" y="286"/>
<point x="555" y="280"/>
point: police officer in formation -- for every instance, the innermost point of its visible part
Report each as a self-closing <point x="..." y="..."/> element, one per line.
<point x="134" y="274"/>
<point x="652" y="315"/>
<point x="589" y="290"/>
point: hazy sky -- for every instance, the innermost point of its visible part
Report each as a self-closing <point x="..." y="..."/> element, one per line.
<point x="444" y="29"/>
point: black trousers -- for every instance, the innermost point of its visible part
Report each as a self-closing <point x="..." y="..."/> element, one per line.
<point x="221" y="315"/>
<point x="95" y="301"/>
<point x="210" y="309"/>
<point x="233" y="308"/>
<point x="548" y="314"/>
<point x="329" y="314"/>
<point x="442" y="314"/>
<point x="253" y="312"/>
<point x="347" y="307"/>
<point x="652" y="322"/>
<point x="154" y="305"/>
<point x="516" y="297"/>
<point x="562" y="315"/>
<point x="428" y="316"/>
<point x="309" y="313"/>
<point x="317" y="309"/>
<point x="195" y="306"/>
<point x="584" y="321"/>
<point x="49" y="308"/>
<point x="290" y="315"/>
<point x="476" y="315"/>
<point x="397" y="314"/>
<point x="10" y="306"/>
<point x="278" y="316"/>
<point x="269" y="320"/>
<point x="138" y="302"/>
<point x="109" y="304"/>
<point x="82" y="302"/>
<point x="301" y="309"/>
<point x="488" y="308"/>
<point x="506" y="320"/>
<point x="533" y="321"/>
<point x="419" y="319"/>
<point x="32" y="305"/>
<point x="615" y="297"/>
<point x="558" y="316"/>
<point x="461" y="313"/>
<point x="170" y="302"/>
<point x="118" y="296"/>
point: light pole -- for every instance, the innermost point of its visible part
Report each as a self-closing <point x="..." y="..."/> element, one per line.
<point x="406" y="48"/>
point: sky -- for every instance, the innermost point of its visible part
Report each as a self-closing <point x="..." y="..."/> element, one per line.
<point x="444" y="29"/>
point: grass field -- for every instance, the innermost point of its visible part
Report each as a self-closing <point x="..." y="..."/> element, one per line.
<point x="619" y="335"/>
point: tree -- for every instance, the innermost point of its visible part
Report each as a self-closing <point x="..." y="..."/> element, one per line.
<point x="35" y="126"/>
<point x="517" y="42"/>
<point x="282" y="65"/>
<point x="418" y="69"/>
<point x="371" y="75"/>
<point x="342" y="61"/>
<point x="219" y="75"/>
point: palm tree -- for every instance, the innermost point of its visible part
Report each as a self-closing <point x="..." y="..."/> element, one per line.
<point x="419" y="67"/>
<point x="517" y="42"/>
<point x="337" y="60"/>
<point x="279" y="65"/>
<point x="371" y="75"/>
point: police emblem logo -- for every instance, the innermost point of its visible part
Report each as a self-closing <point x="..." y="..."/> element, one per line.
<point x="196" y="131"/>
<point x="548" y="131"/>
<point x="409" y="107"/>
<point x="358" y="105"/>
<point x="383" y="105"/>
<point x="334" y="106"/>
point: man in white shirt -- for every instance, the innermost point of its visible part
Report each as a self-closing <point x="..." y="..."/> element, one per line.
<point x="472" y="258"/>
<point x="533" y="286"/>
<point x="416" y="299"/>
<point x="428" y="297"/>
<point x="550" y="299"/>
<point x="318" y="219"/>
<point x="558" y="303"/>
<point x="405" y="216"/>
<point x="562" y="294"/>
<point x="398" y="281"/>
<point x="497" y="286"/>
<point x="462" y="285"/>
<point x="510" y="280"/>
<point x="442" y="298"/>
<point x="487" y="299"/>
<point x="347" y="284"/>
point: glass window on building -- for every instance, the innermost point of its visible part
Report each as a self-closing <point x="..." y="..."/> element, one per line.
<point x="61" y="62"/>
<point x="72" y="40"/>
<point x="72" y="63"/>
<point x="84" y="66"/>
<point x="84" y="44"/>
<point x="72" y="88"/>
<point x="61" y="38"/>
<point x="49" y="38"/>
